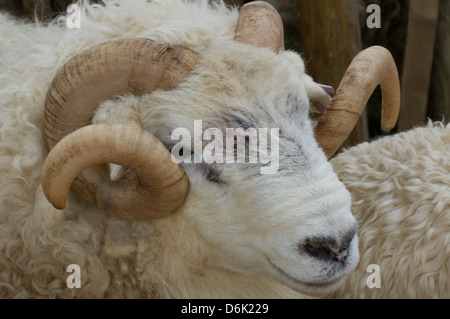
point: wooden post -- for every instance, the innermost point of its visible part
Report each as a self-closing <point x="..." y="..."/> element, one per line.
<point x="42" y="9"/>
<point x="417" y="63"/>
<point x="330" y="38"/>
<point x="439" y="101"/>
<point x="236" y="3"/>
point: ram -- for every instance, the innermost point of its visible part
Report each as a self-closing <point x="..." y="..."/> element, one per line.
<point x="114" y="91"/>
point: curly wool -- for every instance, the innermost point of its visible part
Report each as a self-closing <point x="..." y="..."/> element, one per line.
<point x="400" y="188"/>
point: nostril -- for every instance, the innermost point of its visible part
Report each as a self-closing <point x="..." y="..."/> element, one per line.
<point x="325" y="251"/>
<point x="338" y="254"/>
<point x="316" y="250"/>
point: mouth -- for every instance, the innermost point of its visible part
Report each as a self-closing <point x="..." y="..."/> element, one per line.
<point x="317" y="287"/>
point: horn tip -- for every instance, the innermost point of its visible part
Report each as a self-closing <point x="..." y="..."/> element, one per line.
<point x="58" y="203"/>
<point x="387" y="127"/>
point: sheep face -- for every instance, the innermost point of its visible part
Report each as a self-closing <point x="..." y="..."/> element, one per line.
<point x="289" y="217"/>
<point x="283" y="224"/>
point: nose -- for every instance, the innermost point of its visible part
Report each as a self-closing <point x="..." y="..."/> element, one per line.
<point x="328" y="248"/>
<point x="326" y="251"/>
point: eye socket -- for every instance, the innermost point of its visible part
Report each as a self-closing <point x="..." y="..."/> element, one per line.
<point x="213" y="175"/>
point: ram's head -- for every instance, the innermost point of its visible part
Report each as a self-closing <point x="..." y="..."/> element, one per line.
<point x="291" y="220"/>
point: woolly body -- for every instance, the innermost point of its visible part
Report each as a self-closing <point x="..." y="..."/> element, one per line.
<point x="400" y="188"/>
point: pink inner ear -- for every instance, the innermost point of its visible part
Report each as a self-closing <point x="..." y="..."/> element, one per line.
<point x="326" y="88"/>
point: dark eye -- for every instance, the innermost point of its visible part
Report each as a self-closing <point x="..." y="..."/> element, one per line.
<point x="213" y="175"/>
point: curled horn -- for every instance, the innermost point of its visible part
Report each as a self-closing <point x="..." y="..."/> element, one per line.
<point x="161" y="187"/>
<point x="371" y="67"/>
<point x="108" y="69"/>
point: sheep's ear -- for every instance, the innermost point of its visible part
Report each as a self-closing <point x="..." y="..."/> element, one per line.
<point x="319" y="96"/>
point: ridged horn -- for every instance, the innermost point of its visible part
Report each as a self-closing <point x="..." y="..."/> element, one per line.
<point x="161" y="185"/>
<point x="106" y="70"/>
<point x="102" y="72"/>
<point x="371" y="67"/>
<point x="260" y="25"/>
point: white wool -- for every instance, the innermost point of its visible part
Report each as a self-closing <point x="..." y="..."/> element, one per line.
<point x="400" y="187"/>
